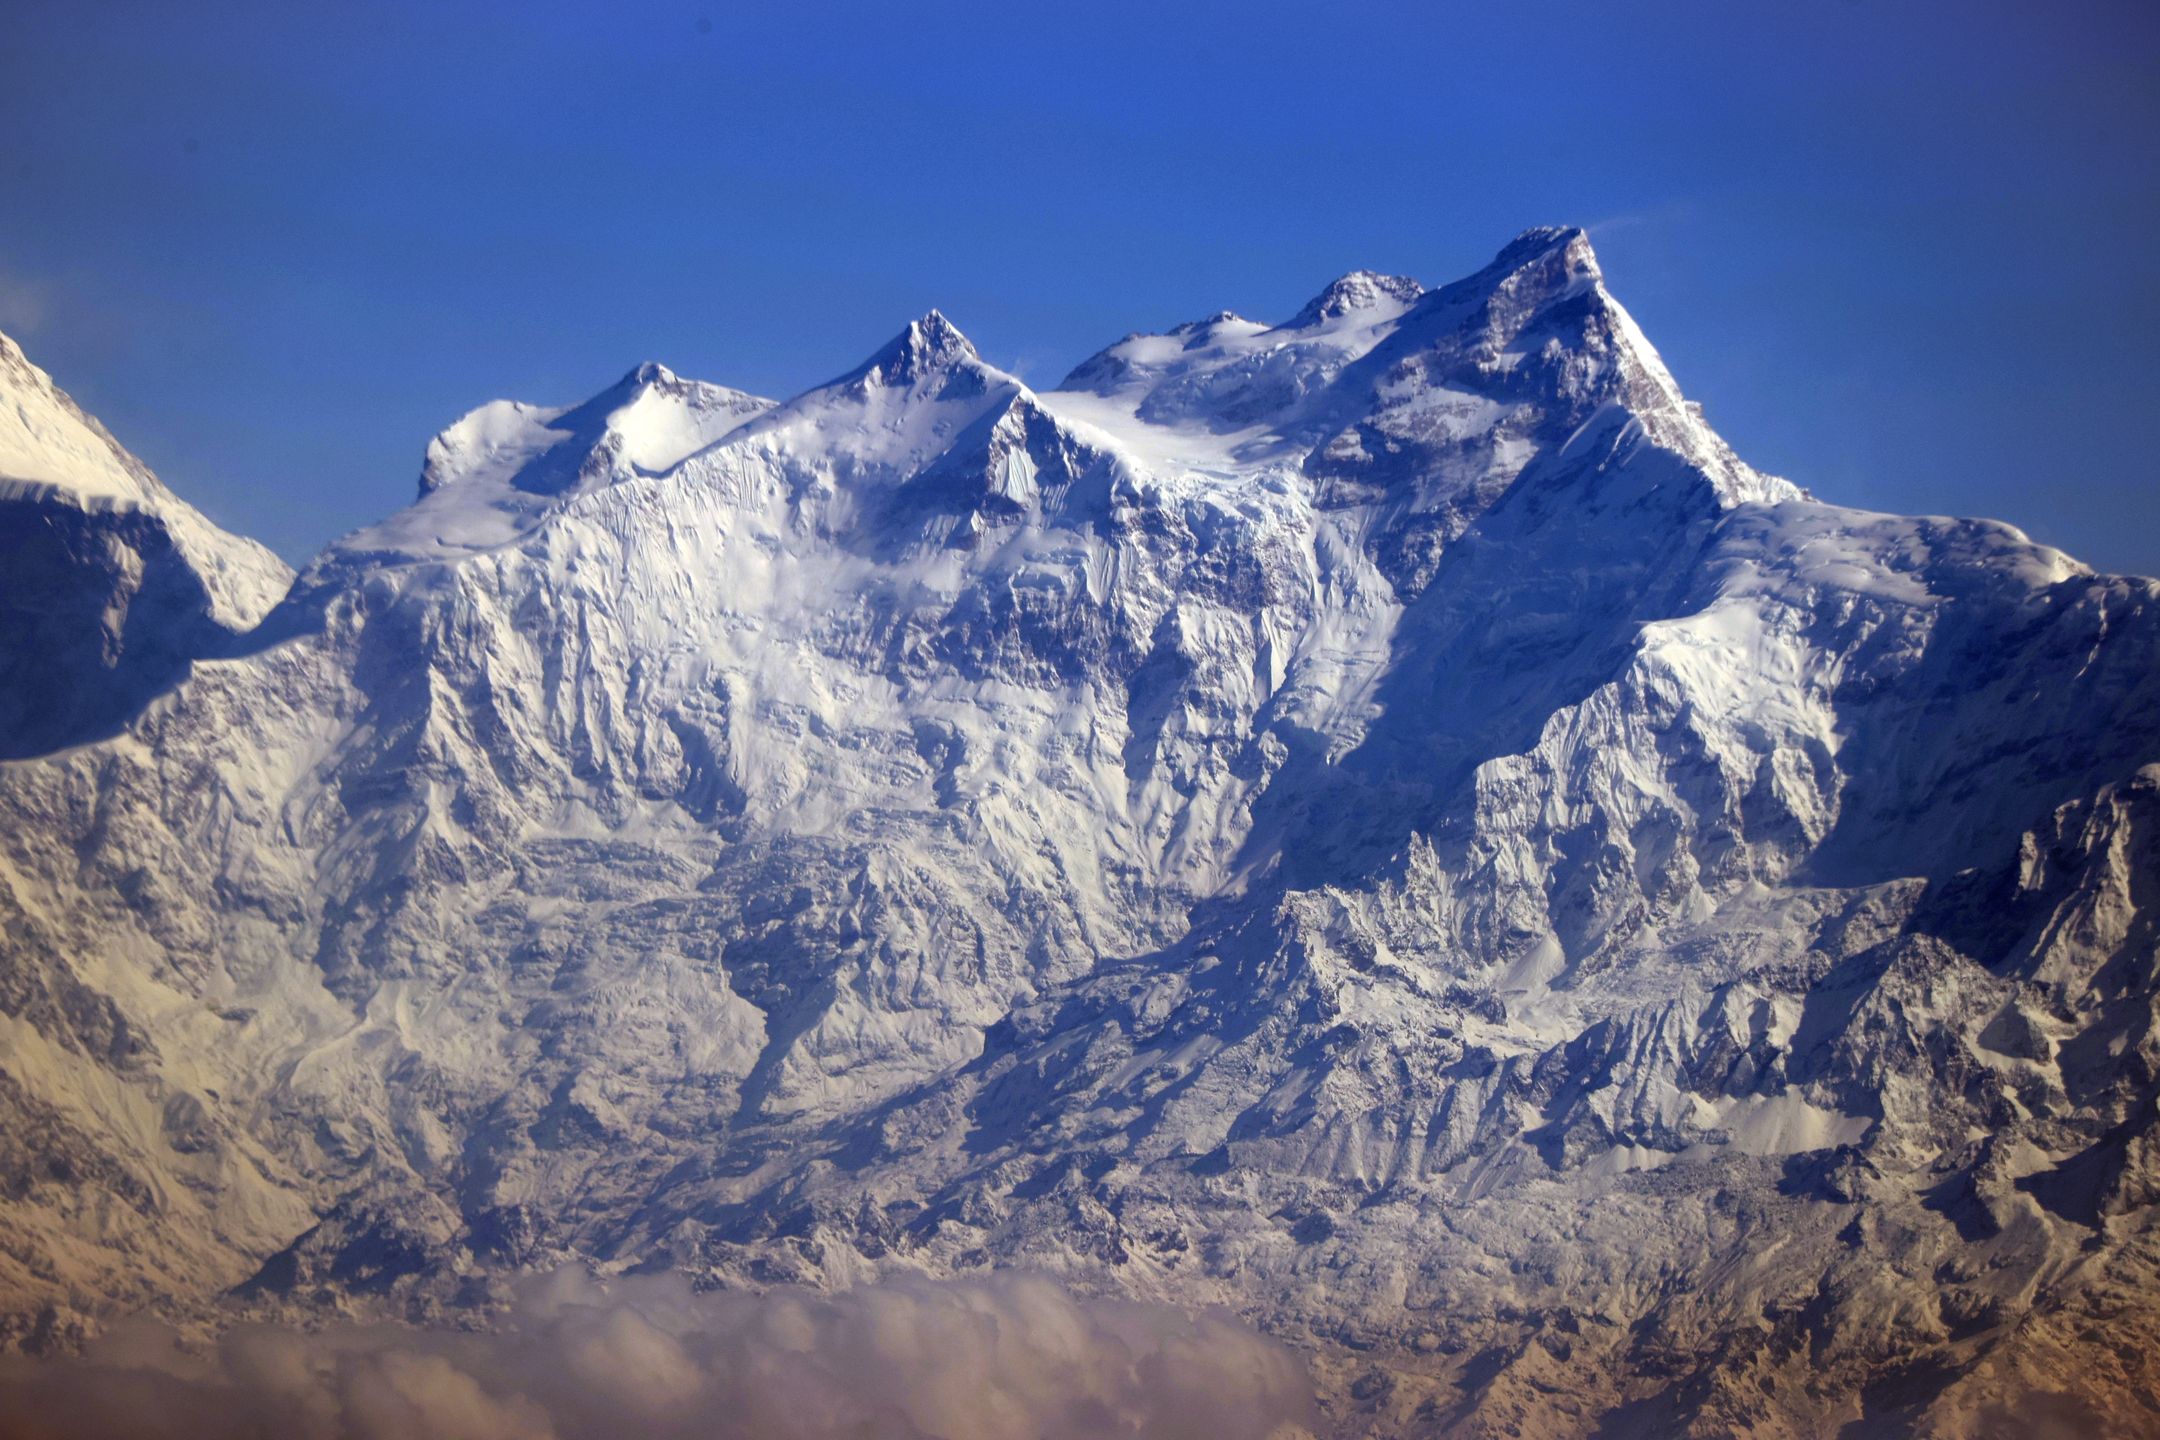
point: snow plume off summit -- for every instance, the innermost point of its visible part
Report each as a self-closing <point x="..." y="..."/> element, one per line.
<point x="1382" y="824"/>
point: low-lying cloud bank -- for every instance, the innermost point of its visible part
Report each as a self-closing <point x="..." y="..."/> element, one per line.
<point x="575" y="1360"/>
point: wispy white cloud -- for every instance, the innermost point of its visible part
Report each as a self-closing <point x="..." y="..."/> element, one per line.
<point x="1674" y="213"/>
<point x="25" y="305"/>
<point x="575" y="1360"/>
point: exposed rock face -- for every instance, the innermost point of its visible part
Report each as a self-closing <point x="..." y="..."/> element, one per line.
<point x="1383" y="822"/>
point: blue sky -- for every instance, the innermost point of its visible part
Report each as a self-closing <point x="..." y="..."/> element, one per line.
<point x="1902" y="252"/>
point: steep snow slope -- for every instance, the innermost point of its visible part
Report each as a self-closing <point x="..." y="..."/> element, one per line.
<point x="109" y="583"/>
<point x="1383" y="821"/>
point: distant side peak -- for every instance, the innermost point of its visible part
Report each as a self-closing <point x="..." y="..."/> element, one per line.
<point x="653" y="376"/>
<point x="1206" y="323"/>
<point x="1356" y="292"/>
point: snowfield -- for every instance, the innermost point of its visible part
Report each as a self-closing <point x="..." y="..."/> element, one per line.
<point x="1383" y="823"/>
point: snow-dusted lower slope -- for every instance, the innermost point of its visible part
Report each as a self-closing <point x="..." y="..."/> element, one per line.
<point x="1381" y="821"/>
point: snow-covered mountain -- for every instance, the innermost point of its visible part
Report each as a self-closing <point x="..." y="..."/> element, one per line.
<point x="1381" y="821"/>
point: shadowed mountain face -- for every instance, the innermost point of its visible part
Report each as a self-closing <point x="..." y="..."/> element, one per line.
<point x="110" y="585"/>
<point x="1383" y="822"/>
<point x="102" y="615"/>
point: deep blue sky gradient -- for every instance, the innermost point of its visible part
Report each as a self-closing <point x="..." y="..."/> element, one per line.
<point x="1903" y="252"/>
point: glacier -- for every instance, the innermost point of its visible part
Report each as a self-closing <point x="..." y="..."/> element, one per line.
<point x="1383" y="823"/>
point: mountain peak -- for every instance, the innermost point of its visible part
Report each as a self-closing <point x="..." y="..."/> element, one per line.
<point x="652" y="372"/>
<point x="927" y="346"/>
<point x="1359" y="292"/>
<point x="1559" y="256"/>
<point x="937" y="332"/>
<point x="1541" y="240"/>
<point x="50" y="441"/>
<point x="1542" y="267"/>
